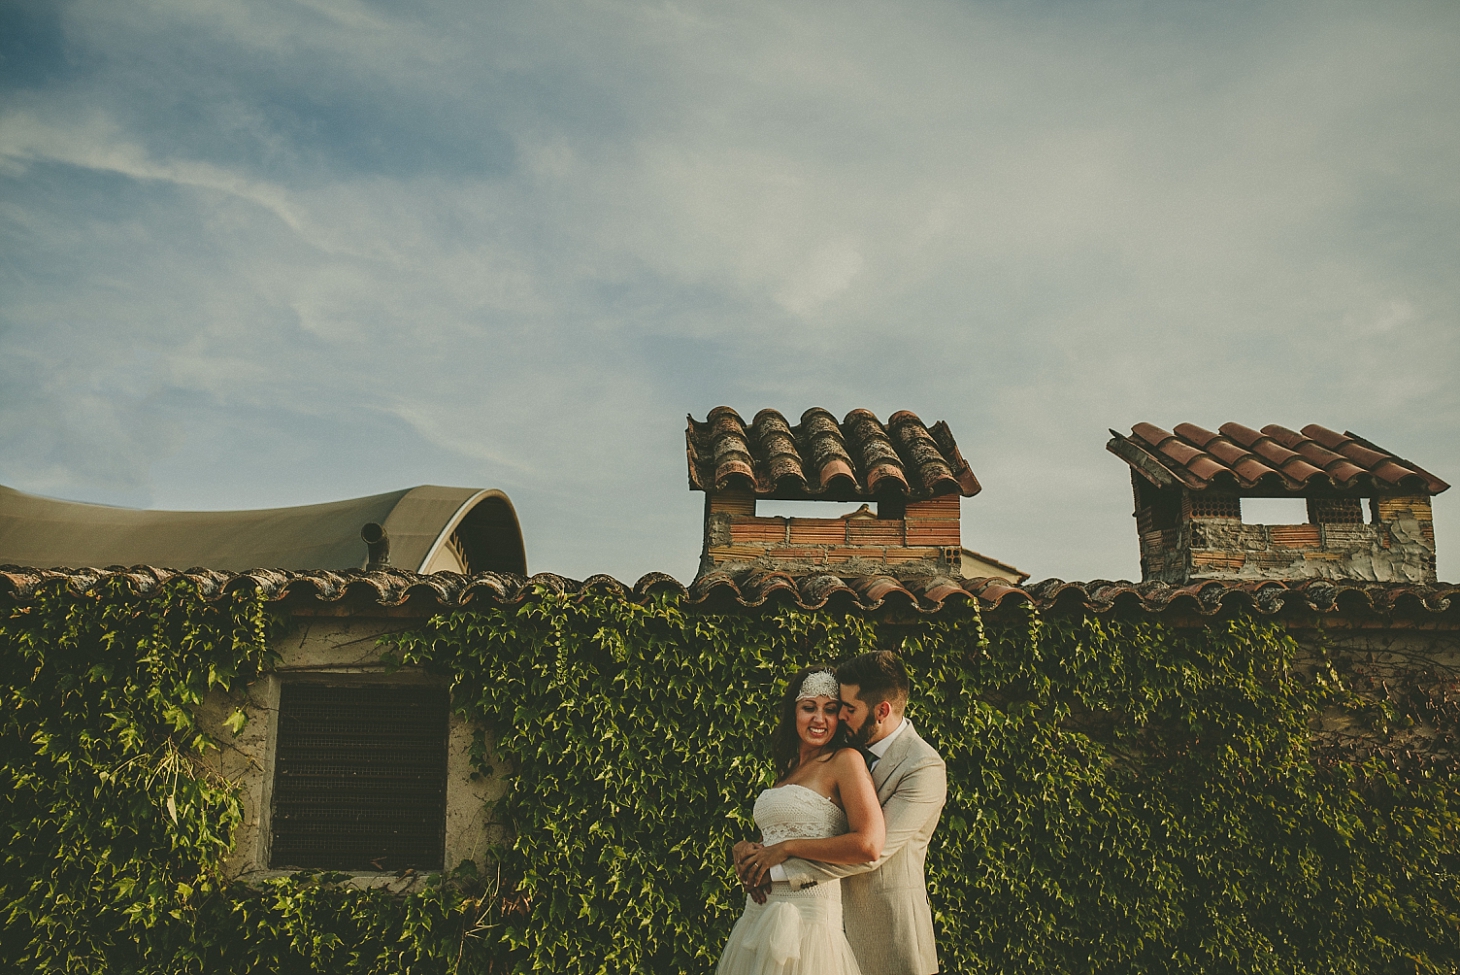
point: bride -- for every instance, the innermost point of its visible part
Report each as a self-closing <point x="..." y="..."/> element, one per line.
<point x="822" y="807"/>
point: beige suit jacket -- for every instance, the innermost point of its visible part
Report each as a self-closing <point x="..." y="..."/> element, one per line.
<point x="885" y="903"/>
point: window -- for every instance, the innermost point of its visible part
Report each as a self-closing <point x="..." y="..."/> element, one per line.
<point x="360" y="776"/>
<point x="805" y="509"/>
<point x="1275" y="511"/>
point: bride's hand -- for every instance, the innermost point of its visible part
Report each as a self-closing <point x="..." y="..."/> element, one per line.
<point x="741" y="850"/>
<point x="755" y="869"/>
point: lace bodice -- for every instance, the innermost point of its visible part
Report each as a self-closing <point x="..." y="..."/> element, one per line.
<point x="796" y="812"/>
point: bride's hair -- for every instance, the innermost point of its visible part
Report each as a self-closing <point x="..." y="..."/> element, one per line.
<point x="785" y="744"/>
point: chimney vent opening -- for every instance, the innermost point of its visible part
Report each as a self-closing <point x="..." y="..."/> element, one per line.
<point x="1275" y="511"/>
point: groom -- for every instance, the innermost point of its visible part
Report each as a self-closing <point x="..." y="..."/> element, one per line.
<point x="885" y="903"/>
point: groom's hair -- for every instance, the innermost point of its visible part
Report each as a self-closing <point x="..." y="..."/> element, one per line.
<point x="879" y="676"/>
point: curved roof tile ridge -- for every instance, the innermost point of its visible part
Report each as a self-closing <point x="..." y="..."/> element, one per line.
<point x="1341" y="471"/>
<point x="1274" y="457"/>
<point x="820" y="457"/>
<point x="774" y="445"/>
<point x="826" y="451"/>
<point x="751" y="588"/>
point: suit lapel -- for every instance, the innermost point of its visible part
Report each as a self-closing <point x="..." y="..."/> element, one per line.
<point x="897" y="753"/>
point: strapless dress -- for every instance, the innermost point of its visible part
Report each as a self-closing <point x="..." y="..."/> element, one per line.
<point x="795" y="932"/>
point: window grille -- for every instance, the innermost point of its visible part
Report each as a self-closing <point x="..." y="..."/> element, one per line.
<point x="1335" y="511"/>
<point x="1213" y="504"/>
<point x="360" y="777"/>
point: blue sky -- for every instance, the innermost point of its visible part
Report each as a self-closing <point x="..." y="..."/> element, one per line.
<point x="265" y="253"/>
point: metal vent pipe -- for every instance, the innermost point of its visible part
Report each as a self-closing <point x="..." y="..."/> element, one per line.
<point x="378" y="543"/>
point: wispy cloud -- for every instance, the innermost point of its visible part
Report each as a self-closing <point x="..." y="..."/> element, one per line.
<point x="96" y="144"/>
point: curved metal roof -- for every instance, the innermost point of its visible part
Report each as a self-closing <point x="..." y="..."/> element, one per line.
<point x="480" y="525"/>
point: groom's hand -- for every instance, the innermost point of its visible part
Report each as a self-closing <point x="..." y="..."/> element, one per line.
<point x="741" y="852"/>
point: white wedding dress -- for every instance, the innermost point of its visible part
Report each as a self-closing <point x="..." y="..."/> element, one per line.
<point x="795" y="932"/>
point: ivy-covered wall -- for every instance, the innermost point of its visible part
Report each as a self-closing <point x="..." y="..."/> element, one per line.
<point x="1124" y="796"/>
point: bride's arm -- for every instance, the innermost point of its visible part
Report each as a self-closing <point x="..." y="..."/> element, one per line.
<point x="862" y="843"/>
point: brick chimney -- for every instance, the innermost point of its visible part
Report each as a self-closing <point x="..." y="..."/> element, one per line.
<point x="909" y="477"/>
<point x="1189" y="486"/>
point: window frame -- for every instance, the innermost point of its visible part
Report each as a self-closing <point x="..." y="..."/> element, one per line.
<point x="343" y="649"/>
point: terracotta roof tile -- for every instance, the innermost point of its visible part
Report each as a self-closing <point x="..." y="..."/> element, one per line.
<point x="1274" y="457"/>
<point x="1200" y="436"/>
<point x="1271" y="454"/>
<point x="1247" y="465"/>
<point x="1356" y="442"/>
<point x="821" y="458"/>
<point x="1382" y="465"/>
<point x="1340" y="444"/>
<point x="1282" y="465"/>
<point x="1250" y="468"/>
<point x="1151" y="433"/>
<point x="1179" y="451"/>
<point x="394" y="589"/>
<point x="1338" y="468"/>
<point x="1226" y="451"/>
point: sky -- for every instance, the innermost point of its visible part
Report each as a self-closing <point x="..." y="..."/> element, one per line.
<point x="257" y="253"/>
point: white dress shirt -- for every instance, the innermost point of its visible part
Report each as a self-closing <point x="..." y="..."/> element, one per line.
<point x="878" y="749"/>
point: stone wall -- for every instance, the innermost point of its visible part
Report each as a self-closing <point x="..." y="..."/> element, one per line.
<point x="1399" y="546"/>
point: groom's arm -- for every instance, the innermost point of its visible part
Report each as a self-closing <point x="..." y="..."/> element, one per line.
<point x="918" y="798"/>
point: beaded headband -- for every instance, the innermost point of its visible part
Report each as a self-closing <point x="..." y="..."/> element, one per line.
<point x="822" y="683"/>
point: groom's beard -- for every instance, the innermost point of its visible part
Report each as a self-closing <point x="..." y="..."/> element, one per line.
<point x="859" y="738"/>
